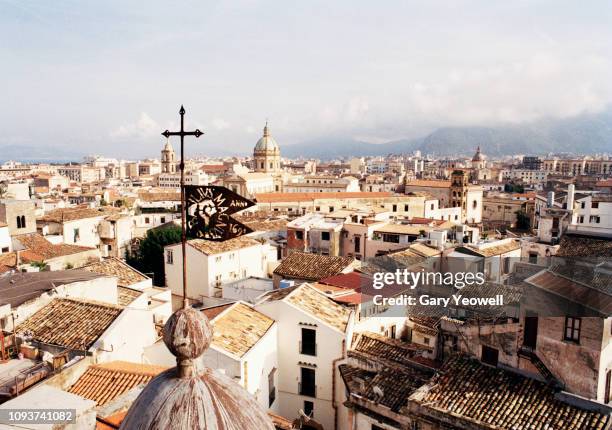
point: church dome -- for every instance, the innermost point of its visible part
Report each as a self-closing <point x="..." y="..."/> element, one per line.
<point x="478" y="156"/>
<point x="190" y="395"/>
<point x="267" y="142"/>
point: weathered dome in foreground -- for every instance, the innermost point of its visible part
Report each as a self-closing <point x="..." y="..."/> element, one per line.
<point x="267" y="142"/>
<point x="191" y="396"/>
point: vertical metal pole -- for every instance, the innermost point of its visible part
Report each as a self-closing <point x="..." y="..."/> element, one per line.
<point x="183" y="214"/>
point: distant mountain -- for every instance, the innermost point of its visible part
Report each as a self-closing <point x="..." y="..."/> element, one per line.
<point x="38" y="154"/>
<point x="585" y="134"/>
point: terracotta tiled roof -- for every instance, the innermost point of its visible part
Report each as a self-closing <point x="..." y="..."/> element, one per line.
<point x="112" y="422"/>
<point x="390" y="350"/>
<point x="582" y="246"/>
<point x="127" y="295"/>
<point x="312" y="267"/>
<point x="215" y="310"/>
<point x="72" y="214"/>
<point x="103" y="383"/>
<point x="320" y="306"/>
<point x="126" y="275"/>
<point x="575" y="292"/>
<point x="40" y="249"/>
<point x="494" y="249"/>
<point x="8" y="261"/>
<point x="239" y="328"/>
<point x="208" y="247"/>
<point x="491" y="397"/>
<point x="352" y="280"/>
<point x="302" y="197"/>
<point x="70" y="323"/>
<point x="313" y="302"/>
<point x="431" y="183"/>
<point x="425" y="250"/>
<point x="161" y="196"/>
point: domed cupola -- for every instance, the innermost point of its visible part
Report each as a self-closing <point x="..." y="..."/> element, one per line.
<point x="267" y="142"/>
<point x="266" y="155"/>
<point x="190" y="395"/>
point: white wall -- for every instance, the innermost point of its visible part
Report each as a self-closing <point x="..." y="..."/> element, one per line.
<point x="329" y="348"/>
<point x="126" y="338"/>
<point x="202" y="270"/>
<point x="5" y="240"/>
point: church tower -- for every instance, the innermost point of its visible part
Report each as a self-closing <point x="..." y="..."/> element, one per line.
<point x="266" y="154"/>
<point x="168" y="159"/>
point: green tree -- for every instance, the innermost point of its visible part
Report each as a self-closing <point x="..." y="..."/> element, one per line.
<point x="522" y="220"/>
<point x="150" y="255"/>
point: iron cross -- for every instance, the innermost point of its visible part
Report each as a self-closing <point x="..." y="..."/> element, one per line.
<point x="182" y="133"/>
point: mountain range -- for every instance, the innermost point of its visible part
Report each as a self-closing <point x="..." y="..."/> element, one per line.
<point x="584" y="134"/>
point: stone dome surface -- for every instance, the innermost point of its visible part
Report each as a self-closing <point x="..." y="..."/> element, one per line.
<point x="192" y="396"/>
<point x="267" y="142"/>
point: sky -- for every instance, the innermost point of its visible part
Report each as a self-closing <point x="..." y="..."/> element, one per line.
<point x="107" y="77"/>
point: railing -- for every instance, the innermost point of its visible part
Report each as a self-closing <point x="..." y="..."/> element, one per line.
<point x="532" y="356"/>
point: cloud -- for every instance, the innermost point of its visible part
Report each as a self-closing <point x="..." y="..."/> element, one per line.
<point x="220" y="124"/>
<point x="145" y="127"/>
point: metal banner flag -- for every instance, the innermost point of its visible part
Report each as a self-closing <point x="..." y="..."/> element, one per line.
<point x="209" y="209"/>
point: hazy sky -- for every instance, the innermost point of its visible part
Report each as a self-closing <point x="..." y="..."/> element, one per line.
<point x="108" y="76"/>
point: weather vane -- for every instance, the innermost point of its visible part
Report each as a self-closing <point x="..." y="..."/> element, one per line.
<point x="205" y="210"/>
<point x="182" y="133"/>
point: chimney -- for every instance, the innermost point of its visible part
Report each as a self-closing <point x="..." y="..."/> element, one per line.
<point x="571" y="190"/>
<point x="551" y="199"/>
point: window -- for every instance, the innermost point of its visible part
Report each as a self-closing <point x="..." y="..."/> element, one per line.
<point x="594" y="219"/>
<point x="271" y="387"/>
<point x="308" y="344"/>
<point x="572" y="329"/>
<point x="5" y="249"/>
<point x="533" y="258"/>
<point x="147" y="220"/>
<point x="393" y="332"/>
<point x="394" y="208"/>
<point x="307" y="385"/>
<point x="607" y="390"/>
<point x="299" y="235"/>
<point x="169" y="257"/>
<point x="77" y="235"/>
<point x="325" y="235"/>
<point x="357" y="244"/>
<point x="392" y="238"/>
<point x="595" y="205"/>
<point x="162" y="220"/>
<point x="490" y="355"/>
<point x="475" y="204"/>
<point x="309" y="408"/>
<point x="331" y="209"/>
<point x="217" y="280"/>
<point x="318" y="209"/>
<point x="406" y="208"/>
